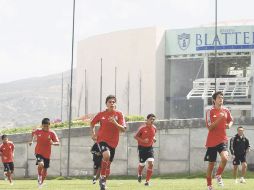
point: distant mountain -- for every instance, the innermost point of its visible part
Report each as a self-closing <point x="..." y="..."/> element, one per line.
<point x="25" y="102"/>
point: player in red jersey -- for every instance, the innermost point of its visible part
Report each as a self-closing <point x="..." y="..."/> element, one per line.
<point x="146" y="137"/>
<point x="7" y="154"/>
<point x="112" y="122"/>
<point x="218" y="119"/>
<point x="45" y="138"/>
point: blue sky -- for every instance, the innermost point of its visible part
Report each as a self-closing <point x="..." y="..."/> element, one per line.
<point x="36" y="34"/>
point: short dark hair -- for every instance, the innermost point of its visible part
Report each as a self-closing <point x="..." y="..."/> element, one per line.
<point x="4" y="136"/>
<point x="216" y="94"/>
<point x="240" y="127"/>
<point x="110" y="97"/>
<point x="45" y="121"/>
<point x="150" y="115"/>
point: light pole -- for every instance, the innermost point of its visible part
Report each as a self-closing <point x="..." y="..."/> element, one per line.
<point x="70" y="105"/>
<point x="215" y="47"/>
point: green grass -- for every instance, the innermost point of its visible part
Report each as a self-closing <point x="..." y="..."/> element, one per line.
<point x="128" y="184"/>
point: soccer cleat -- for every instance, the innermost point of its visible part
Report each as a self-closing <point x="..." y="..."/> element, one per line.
<point x="236" y="181"/>
<point x="210" y="187"/>
<point x="94" y="180"/>
<point x="242" y="180"/>
<point x="147" y="183"/>
<point x="139" y="178"/>
<point x="219" y="180"/>
<point x="102" y="183"/>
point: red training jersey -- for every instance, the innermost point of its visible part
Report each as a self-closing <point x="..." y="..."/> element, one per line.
<point x="218" y="134"/>
<point x="146" y="132"/>
<point x="108" y="132"/>
<point x="7" y="150"/>
<point x="43" y="146"/>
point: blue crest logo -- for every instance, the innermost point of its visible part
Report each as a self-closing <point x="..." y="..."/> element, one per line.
<point x="184" y="41"/>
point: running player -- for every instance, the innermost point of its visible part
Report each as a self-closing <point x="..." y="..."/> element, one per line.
<point x="218" y="119"/>
<point x="146" y="137"/>
<point x="112" y="122"/>
<point x="7" y="154"/>
<point x="45" y="138"/>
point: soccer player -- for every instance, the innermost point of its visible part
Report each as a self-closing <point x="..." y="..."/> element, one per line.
<point x="146" y="137"/>
<point x="239" y="146"/>
<point x="112" y="122"/>
<point x="96" y="161"/>
<point x="45" y="138"/>
<point x="7" y="154"/>
<point x="218" y="119"/>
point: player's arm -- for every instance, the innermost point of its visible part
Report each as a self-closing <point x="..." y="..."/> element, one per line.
<point x="214" y="124"/>
<point x="229" y="125"/>
<point x="247" y="146"/>
<point x="54" y="139"/>
<point x="139" y="139"/>
<point x="229" y="120"/>
<point x="54" y="143"/>
<point x="34" y="137"/>
<point x="13" y="150"/>
<point x="231" y="145"/>
<point x="154" y="138"/>
<point x="120" y="124"/>
<point x="93" y="132"/>
<point x="120" y="127"/>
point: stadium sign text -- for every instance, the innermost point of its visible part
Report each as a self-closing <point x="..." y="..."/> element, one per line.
<point x="226" y="39"/>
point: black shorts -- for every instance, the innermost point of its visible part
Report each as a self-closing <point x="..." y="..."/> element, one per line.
<point x="145" y="153"/>
<point x="104" y="147"/>
<point x="97" y="161"/>
<point x="211" y="153"/>
<point x="9" y="167"/>
<point x="40" y="158"/>
<point x="239" y="159"/>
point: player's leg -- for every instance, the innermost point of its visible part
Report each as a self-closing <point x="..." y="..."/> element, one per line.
<point x="150" y="161"/>
<point x="7" y="171"/>
<point x="140" y="169"/>
<point x="149" y="170"/>
<point x="11" y="166"/>
<point x="244" y="169"/>
<point x="142" y="163"/>
<point x="96" y="167"/>
<point x="45" y="168"/>
<point x="223" y="162"/>
<point x="222" y="149"/>
<point x="40" y="166"/>
<point x="209" y="172"/>
<point x="105" y="150"/>
<point x="210" y="156"/>
<point x="236" y="163"/>
<point x="112" y="155"/>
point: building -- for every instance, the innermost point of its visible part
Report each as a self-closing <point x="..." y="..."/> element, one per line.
<point x="169" y="72"/>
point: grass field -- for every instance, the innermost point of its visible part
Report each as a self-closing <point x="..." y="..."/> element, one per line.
<point x="162" y="183"/>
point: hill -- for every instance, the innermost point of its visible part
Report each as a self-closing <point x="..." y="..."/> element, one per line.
<point x="27" y="101"/>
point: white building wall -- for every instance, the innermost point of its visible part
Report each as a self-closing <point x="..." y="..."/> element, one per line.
<point x="134" y="52"/>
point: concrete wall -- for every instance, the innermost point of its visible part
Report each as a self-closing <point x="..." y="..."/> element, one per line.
<point x="179" y="149"/>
